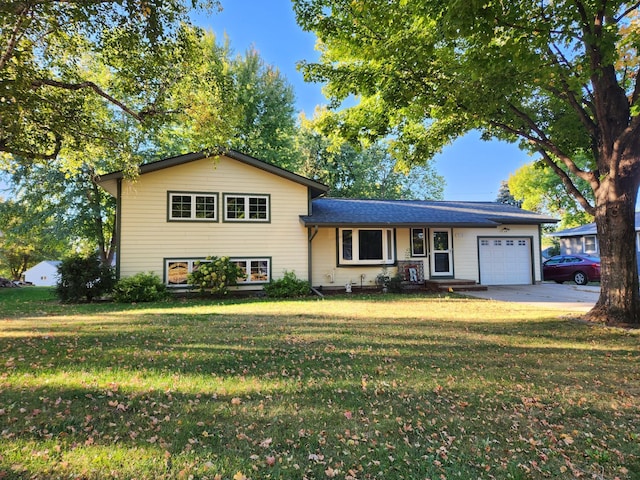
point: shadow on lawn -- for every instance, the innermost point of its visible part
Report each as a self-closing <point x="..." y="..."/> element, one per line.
<point x="217" y="384"/>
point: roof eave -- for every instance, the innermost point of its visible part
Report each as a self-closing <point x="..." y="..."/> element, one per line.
<point x="317" y="189"/>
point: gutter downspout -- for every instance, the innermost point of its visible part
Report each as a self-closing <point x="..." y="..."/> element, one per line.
<point x="312" y="235"/>
<point x="118" y="226"/>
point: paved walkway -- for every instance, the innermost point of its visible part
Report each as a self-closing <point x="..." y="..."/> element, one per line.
<point x="566" y="296"/>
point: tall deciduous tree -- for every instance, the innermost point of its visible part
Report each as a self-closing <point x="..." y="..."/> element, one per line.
<point x="266" y="105"/>
<point x="561" y="77"/>
<point x="44" y="46"/>
<point x="28" y="235"/>
<point x="368" y="172"/>
<point x="541" y="190"/>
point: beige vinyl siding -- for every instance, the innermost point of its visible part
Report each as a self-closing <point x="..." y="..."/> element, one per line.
<point x="465" y="247"/>
<point x="326" y="273"/>
<point x="147" y="238"/>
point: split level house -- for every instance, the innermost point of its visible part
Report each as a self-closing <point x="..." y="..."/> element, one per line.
<point x="268" y="220"/>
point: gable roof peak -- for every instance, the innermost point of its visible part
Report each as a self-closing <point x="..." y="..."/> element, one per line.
<point x="316" y="188"/>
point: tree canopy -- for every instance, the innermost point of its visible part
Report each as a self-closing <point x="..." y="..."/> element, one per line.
<point x="558" y="77"/>
<point x="539" y="189"/>
<point x="49" y="53"/>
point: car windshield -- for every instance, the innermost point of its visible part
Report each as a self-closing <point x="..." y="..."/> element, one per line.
<point x="592" y="259"/>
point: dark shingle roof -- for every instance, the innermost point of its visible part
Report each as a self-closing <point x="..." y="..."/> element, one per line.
<point x="347" y="212"/>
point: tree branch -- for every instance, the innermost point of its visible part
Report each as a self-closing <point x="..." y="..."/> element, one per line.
<point x="627" y="12"/>
<point x="568" y="183"/>
<point x="92" y="86"/>
<point x="541" y="140"/>
<point x="586" y="120"/>
<point x="15" y="36"/>
<point x="4" y="147"/>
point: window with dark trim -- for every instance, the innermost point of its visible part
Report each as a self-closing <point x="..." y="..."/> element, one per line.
<point x="185" y="206"/>
<point x="255" y="270"/>
<point x="418" y="246"/>
<point x="177" y="271"/>
<point x="246" y="208"/>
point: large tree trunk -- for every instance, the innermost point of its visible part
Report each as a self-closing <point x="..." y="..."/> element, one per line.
<point x="619" y="301"/>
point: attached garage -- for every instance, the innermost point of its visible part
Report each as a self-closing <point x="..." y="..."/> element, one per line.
<point x="505" y="261"/>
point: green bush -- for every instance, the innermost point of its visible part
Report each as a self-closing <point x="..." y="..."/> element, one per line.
<point x="395" y="284"/>
<point x="215" y="275"/>
<point x="288" y="286"/>
<point x="83" y="278"/>
<point x="142" y="287"/>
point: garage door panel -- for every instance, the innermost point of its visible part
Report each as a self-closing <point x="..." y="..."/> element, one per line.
<point x="505" y="261"/>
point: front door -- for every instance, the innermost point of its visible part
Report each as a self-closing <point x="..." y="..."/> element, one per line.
<point x="441" y="262"/>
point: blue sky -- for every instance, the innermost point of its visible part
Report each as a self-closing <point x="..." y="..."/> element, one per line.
<point x="472" y="168"/>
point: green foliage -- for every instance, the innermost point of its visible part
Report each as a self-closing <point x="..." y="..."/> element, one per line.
<point x="266" y="103"/>
<point x="541" y="190"/>
<point x="142" y="287"/>
<point x="289" y="286"/>
<point x="63" y="62"/>
<point x="28" y="235"/>
<point x="389" y="283"/>
<point x="215" y="275"/>
<point x="362" y="172"/>
<point x="83" y="278"/>
<point x="561" y="79"/>
<point x="505" y="196"/>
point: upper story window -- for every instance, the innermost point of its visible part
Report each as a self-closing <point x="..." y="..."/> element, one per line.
<point x="373" y="246"/>
<point x="246" y="208"/>
<point x="185" y="206"/>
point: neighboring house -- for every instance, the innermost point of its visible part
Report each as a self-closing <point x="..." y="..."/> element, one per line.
<point x="44" y="274"/>
<point x="269" y="220"/>
<point x="584" y="239"/>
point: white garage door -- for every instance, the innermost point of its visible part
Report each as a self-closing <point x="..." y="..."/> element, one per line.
<point x="505" y="261"/>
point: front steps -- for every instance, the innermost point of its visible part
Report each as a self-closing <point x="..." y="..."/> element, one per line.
<point x="453" y="285"/>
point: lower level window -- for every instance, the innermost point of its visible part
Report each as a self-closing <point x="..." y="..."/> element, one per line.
<point x="177" y="272"/>
<point x="366" y="246"/>
<point x="255" y="270"/>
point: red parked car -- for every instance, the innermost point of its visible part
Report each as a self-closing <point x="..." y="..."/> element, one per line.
<point x="582" y="269"/>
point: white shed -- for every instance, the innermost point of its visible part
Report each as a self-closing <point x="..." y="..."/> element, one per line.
<point x="44" y="274"/>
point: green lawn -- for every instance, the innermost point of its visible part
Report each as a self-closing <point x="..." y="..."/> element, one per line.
<point x="385" y="387"/>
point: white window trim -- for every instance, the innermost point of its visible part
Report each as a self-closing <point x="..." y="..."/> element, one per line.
<point x="190" y="263"/>
<point x="388" y="250"/>
<point x="584" y="245"/>
<point x="248" y="261"/>
<point x="247" y="197"/>
<point x="193" y="196"/>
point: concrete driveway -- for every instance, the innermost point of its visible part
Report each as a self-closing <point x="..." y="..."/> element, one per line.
<point x="566" y="296"/>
